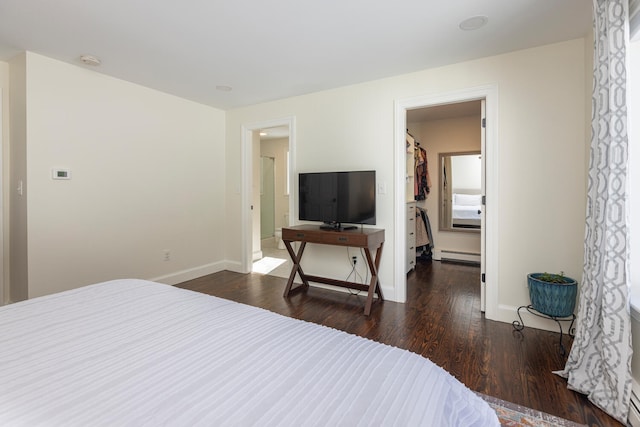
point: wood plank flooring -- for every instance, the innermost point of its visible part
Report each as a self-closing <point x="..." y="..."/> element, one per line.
<point x="442" y="321"/>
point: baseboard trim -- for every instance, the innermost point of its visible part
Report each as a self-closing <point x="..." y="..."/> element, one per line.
<point x="508" y="314"/>
<point x="190" y="274"/>
<point x="234" y="266"/>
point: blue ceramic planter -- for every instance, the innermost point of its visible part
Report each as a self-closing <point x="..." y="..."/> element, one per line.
<point x="552" y="299"/>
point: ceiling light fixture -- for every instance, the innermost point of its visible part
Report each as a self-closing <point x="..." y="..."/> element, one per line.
<point x="474" y="23"/>
<point x="223" y="88"/>
<point x="90" y="60"/>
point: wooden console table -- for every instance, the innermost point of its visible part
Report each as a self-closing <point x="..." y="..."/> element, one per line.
<point x="368" y="239"/>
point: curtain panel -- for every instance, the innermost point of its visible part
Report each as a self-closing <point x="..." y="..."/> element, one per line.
<point x="599" y="364"/>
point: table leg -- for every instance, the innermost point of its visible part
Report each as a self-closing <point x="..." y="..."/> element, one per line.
<point x="374" y="284"/>
<point x="296" y="267"/>
<point x="377" y="264"/>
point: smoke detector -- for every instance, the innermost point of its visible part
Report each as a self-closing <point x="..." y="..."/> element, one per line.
<point x="474" y="23"/>
<point x="90" y="60"/>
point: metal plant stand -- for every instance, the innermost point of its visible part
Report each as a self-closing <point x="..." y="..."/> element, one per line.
<point x="519" y="325"/>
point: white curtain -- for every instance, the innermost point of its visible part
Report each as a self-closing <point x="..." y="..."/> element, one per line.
<point x="599" y="364"/>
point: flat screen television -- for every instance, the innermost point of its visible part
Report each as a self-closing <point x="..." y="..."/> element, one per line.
<point x="337" y="198"/>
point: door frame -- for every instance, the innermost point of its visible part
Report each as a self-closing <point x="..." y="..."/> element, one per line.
<point x="490" y="94"/>
<point x="246" y="190"/>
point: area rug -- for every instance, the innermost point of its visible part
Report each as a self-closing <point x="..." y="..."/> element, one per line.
<point x="512" y="415"/>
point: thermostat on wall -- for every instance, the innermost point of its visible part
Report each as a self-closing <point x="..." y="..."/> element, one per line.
<point x="60" y="174"/>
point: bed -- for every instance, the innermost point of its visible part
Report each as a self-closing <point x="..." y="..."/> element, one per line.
<point x="139" y="353"/>
<point x="466" y="210"/>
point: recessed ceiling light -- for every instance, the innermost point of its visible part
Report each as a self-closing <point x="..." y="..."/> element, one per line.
<point x="263" y="134"/>
<point x="474" y="23"/>
<point x="90" y="60"/>
<point x="224" y="88"/>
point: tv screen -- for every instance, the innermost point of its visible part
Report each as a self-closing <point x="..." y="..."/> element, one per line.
<point x="337" y="198"/>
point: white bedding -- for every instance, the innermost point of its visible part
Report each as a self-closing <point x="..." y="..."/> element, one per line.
<point x="466" y="212"/>
<point x="466" y="206"/>
<point x="138" y="353"/>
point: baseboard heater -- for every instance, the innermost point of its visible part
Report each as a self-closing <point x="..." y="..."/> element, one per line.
<point x="457" y="256"/>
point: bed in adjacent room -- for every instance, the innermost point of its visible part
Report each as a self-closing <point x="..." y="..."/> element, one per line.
<point x="466" y="210"/>
<point x="138" y="353"/>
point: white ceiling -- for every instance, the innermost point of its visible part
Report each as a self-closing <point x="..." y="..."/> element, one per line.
<point x="268" y="50"/>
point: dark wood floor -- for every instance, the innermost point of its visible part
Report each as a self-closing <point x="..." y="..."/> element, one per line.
<point x="442" y="321"/>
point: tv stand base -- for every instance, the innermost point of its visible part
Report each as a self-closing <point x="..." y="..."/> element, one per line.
<point x="338" y="227"/>
<point x="367" y="238"/>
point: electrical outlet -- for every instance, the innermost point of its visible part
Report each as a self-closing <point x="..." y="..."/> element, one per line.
<point x="167" y="255"/>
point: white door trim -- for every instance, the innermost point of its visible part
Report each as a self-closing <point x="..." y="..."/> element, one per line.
<point x="483" y="215"/>
<point x="246" y="193"/>
<point x="490" y="94"/>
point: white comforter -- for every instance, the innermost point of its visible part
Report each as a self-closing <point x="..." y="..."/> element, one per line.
<point x="466" y="212"/>
<point x="137" y="353"/>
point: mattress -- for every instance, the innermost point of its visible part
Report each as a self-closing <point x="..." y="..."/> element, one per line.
<point x="466" y="212"/>
<point x="138" y="353"/>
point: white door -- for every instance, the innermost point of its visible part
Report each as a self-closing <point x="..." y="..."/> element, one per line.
<point x="483" y="231"/>
<point x="267" y="197"/>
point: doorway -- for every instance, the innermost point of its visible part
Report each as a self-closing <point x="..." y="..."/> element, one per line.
<point x="488" y="248"/>
<point x="274" y="139"/>
<point x="273" y="207"/>
<point x="448" y="171"/>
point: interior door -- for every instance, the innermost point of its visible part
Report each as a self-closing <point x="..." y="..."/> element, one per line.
<point x="483" y="228"/>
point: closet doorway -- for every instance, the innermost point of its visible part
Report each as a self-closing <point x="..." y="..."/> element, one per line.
<point x="453" y="129"/>
<point x="445" y="185"/>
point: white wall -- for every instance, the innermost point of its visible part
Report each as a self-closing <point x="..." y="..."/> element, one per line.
<point x="146" y="177"/>
<point x="4" y="180"/>
<point x="541" y="157"/>
<point x="468" y="172"/>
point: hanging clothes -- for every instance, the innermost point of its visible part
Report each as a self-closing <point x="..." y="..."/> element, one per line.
<point x="422" y="184"/>
<point x="424" y="236"/>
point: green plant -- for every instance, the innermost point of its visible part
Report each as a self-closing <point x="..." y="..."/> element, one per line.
<point x="554" y="278"/>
